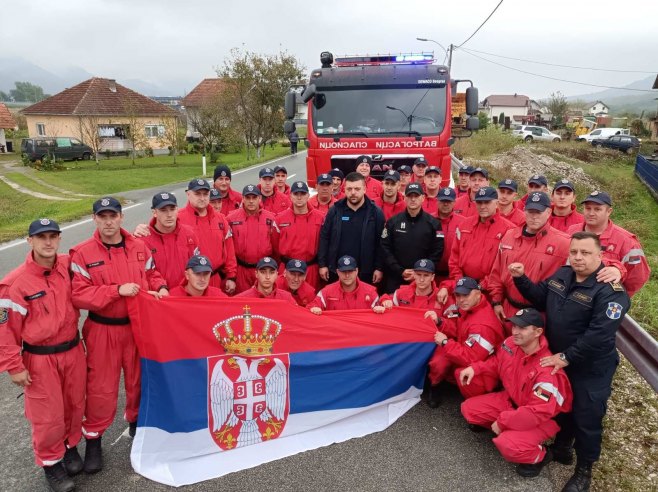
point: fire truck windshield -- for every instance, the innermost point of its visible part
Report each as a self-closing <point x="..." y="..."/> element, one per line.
<point x="379" y="111"/>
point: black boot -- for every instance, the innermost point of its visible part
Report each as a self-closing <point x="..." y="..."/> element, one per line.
<point x="477" y="428"/>
<point x="434" y="399"/>
<point x="58" y="479"/>
<point x="562" y="453"/>
<point x="580" y="480"/>
<point x="93" y="456"/>
<point x="532" y="470"/>
<point x="132" y="428"/>
<point x="72" y="461"/>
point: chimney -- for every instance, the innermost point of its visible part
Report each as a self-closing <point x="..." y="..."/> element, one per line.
<point x="113" y="85"/>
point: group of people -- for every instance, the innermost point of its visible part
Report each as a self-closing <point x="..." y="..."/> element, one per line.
<point x="526" y="295"/>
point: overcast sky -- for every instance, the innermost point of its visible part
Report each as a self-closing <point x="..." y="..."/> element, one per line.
<point x="180" y="42"/>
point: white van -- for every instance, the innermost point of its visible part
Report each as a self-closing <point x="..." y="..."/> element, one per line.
<point x="603" y="133"/>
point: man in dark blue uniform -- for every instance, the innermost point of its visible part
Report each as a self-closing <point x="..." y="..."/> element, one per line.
<point x="583" y="316"/>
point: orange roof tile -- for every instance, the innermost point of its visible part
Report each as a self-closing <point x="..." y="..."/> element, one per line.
<point x="7" y="121"/>
<point x="206" y="89"/>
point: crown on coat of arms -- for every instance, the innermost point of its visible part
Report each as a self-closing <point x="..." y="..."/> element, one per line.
<point x="255" y="337"/>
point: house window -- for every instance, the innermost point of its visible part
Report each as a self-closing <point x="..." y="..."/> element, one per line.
<point x="154" y="131"/>
<point x="41" y="129"/>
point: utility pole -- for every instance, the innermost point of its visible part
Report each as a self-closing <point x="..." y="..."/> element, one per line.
<point x="450" y="48"/>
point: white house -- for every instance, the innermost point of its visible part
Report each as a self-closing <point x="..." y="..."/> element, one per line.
<point x="598" y="109"/>
<point x="515" y="106"/>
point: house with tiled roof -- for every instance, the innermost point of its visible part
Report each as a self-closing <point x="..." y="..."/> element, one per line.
<point x="516" y="106"/>
<point x="202" y="94"/>
<point x="110" y="109"/>
<point x="7" y="122"/>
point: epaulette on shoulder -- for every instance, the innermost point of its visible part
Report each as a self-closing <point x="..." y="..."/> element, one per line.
<point x="617" y="286"/>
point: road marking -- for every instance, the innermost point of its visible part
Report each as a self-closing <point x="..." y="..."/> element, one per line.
<point x="291" y="176"/>
<point x="123" y="434"/>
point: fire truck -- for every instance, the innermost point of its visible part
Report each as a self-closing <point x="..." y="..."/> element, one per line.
<point x="394" y="108"/>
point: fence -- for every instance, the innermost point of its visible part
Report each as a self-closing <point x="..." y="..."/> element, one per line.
<point x="646" y="169"/>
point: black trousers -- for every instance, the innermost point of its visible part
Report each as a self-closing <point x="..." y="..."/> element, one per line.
<point x="591" y="390"/>
<point x="293" y="147"/>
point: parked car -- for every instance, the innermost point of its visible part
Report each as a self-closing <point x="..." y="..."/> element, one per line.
<point x="624" y="143"/>
<point x="529" y="133"/>
<point x="602" y="133"/>
<point x="64" y="148"/>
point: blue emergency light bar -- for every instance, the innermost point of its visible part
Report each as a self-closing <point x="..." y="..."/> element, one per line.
<point x="400" y="59"/>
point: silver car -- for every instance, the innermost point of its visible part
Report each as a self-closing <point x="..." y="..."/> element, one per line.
<point x="530" y="133"/>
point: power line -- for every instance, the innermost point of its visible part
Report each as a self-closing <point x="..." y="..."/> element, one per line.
<point x="563" y="66"/>
<point x="485" y="21"/>
<point x="554" y="78"/>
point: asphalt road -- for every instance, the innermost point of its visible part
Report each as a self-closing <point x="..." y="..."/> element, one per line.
<point x="424" y="450"/>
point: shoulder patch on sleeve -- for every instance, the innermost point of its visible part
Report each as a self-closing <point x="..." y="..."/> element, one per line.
<point x="4" y="315"/>
<point x="556" y="285"/>
<point x="507" y="349"/>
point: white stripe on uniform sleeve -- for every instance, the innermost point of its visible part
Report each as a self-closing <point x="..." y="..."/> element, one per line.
<point x="9" y="304"/>
<point x="551" y="389"/>
<point x="374" y="303"/>
<point x="484" y="343"/>
<point x="75" y="268"/>
<point x="636" y="254"/>
<point x="322" y="299"/>
<point x="395" y="298"/>
<point x="150" y="264"/>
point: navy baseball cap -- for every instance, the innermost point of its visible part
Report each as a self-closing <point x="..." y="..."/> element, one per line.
<point x="346" y="264"/>
<point x="420" y="162"/>
<point x="564" y="183"/>
<point x="404" y="169"/>
<point x="107" y="203"/>
<point x="424" y="265"/>
<point x="324" y="178"/>
<point x="526" y="317"/>
<point x="198" y="184"/>
<point x="538" y="179"/>
<point x="465" y="170"/>
<point x="336" y="173"/>
<point x="280" y="169"/>
<point x="537" y="200"/>
<point x="447" y="195"/>
<point x="221" y="171"/>
<point x="214" y="195"/>
<point x="465" y="285"/>
<point x="163" y="199"/>
<point x="251" y="190"/>
<point x="486" y="194"/>
<point x="296" y="266"/>
<point x="432" y="169"/>
<point x="364" y="158"/>
<point x="299" y="187"/>
<point x="266" y="172"/>
<point x="413" y="188"/>
<point x="267" y="262"/>
<point x="480" y="170"/>
<point x="510" y="184"/>
<point x="199" y="263"/>
<point x="43" y="225"/>
<point x="600" y="197"/>
<point x="392" y="176"/>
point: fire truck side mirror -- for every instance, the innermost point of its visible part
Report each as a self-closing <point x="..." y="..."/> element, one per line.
<point x="289" y="127"/>
<point x="290" y="105"/>
<point x="308" y="93"/>
<point x="472" y="123"/>
<point x="472" y="101"/>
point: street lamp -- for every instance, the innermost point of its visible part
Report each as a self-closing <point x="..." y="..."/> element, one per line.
<point x="447" y="52"/>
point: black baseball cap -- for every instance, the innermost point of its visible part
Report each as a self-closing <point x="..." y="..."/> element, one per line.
<point x="299" y="187"/>
<point x="538" y="179"/>
<point x="526" y="317"/>
<point x="600" y="197"/>
<point x="199" y="263"/>
<point x="537" y="200"/>
<point x="163" y="199"/>
<point x="267" y="262"/>
<point x="214" y="195"/>
<point x="337" y="173"/>
<point x="465" y="170"/>
<point x="266" y="172"/>
<point x="43" y="225"/>
<point x="251" y="190"/>
<point x="346" y="264"/>
<point x="198" y="184"/>
<point x="363" y="158"/>
<point x="420" y="162"/>
<point x="413" y="188"/>
<point x="296" y="266"/>
<point x="564" y="183"/>
<point x="447" y="194"/>
<point x="510" y="184"/>
<point x="480" y="170"/>
<point x="392" y="176"/>
<point x="404" y="169"/>
<point x="486" y="194"/>
<point x="221" y="171"/>
<point x="324" y="178"/>
<point x="424" y="265"/>
<point x="433" y="169"/>
<point x="107" y="203"/>
<point x="465" y="285"/>
<point x="281" y="169"/>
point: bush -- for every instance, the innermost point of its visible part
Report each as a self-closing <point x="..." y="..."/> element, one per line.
<point x="484" y="143"/>
<point x="49" y="163"/>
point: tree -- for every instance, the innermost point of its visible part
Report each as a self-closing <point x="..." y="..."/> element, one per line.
<point x="484" y="120"/>
<point x="27" y="92"/>
<point x="637" y="128"/>
<point x="135" y="134"/>
<point x="4" y="97"/>
<point x="172" y="136"/>
<point x="501" y="119"/>
<point x="89" y="133"/>
<point x="257" y="85"/>
<point x="215" y="122"/>
<point x="558" y="107"/>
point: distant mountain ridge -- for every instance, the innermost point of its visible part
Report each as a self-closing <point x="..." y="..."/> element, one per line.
<point x="621" y="101"/>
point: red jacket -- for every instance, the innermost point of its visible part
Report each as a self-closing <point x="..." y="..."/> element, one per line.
<point x="254" y="236"/>
<point x="215" y="238"/>
<point x="277" y="202"/>
<point x="391" y="209"/>
<point x="536" y="393"/>
<point x="461" y="192"/>
<point x="448" y="227"/>
<point x="374" y="188"/>
<point x="564" y="223"/>
<point x="98" y="272"/>
<point x="333" y="297"/>
<point x="516" y="216"/>
<point x="171" y="251"/>
<point x="275" y="294"/>
<point x="35" y="306"/>
<point x="303" y="295"/>
<point x="473" y="335"/>
<point x="431" y="205"/>
<point x="231" y="201"/>
<point x="621" y="246"/>
<point x="406" y="296"/>
<point x="286" y="189"/>
<point x="520" y="203"/>
<point x="465" y="206"/>
<point x="314" y="203"/>
<point x="179" y="291"/>
<point x="299" y="235"/>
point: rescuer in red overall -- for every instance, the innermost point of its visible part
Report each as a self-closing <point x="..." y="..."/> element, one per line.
<point x="536" y="183"/>
<point x="280" y="177"/>
<point x="230" y="198"/>
<point x="463" y="182"/>
<point x="420" y="294"/>
<point x="255" y="235"/>
<point x="272" y="199"/>
<point x="431" y="185"/>
<point x="373" y="187"/>
<point x="293" y="280"/>
<point x="265" y="286"/>
<point x="419" y="166"/>
<point x="449" y="224"/>
<point x="324" y="199"/>
<point x="521" y="415"/>
<point x="40" y="349"/>
<point x="106" y="268"/>
<point x="465" y="204"/>
<point x="391" y="201"/>
<point x="405" y="177"/>
<point x="216" y="200"/>
<point x="337" y="178"/>
<point x="197" y="280"/>
<point x="507" y="195"/>
<point x="564" y="213"/>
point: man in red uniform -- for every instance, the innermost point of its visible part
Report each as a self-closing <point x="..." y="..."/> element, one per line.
<point x="449" y="224"/>
<point x="40" y="349"/>
<point x="432" y="184"/>
<point x="171" y="243"/>
<point x="391" y="200"/>
<point x="618" y="244"/>
<point x="507" y="195"/>
<point x="463" y="180"/>
<point x="337" y="178"/>
<point x="197" y="280"/>
<point x="536" y="182"/>
<point x="280" y="177"/>
<point x="255" y="235"/>
<point x="324" y="198"/>
<point x="293" y="280"/>
<point x="373" y="187"/>
<point x="230" y="198"/>
<point x="347" y="293"/>
<point x="465" y="204"/>
<point x="421" y="293"/>
<point x="272" y="199"/>
<point x="405" y="173"/>
<point x="265" y="286"/>
<point x="106" y="268"/>
<point x="521" y="415"/>
<point x="419" y="166"/>
<point x="299" y="229"/>
<point x="564" y="213"/>
<point x="216" y="200"/>
<point x="213" y="232"/>
<point x="468" y="337"/>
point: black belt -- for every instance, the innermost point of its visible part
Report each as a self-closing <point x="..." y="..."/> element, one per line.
<point x="51" y="349"/>
<point x="312" y="261"/>
<point x="108" y="321"/>
<point x="517" y="304"/>
<point x="245" y="264"/>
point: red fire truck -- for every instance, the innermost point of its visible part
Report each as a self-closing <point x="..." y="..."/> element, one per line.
<point x="394" y="108"/>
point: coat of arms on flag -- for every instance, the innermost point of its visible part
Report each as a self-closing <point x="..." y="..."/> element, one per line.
<point x="248" y="396"/>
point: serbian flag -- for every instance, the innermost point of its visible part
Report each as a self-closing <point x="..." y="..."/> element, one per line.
<point x="229" y="384"/>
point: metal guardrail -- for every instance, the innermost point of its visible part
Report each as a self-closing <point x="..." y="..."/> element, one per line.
<point x="646" y="169"/>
